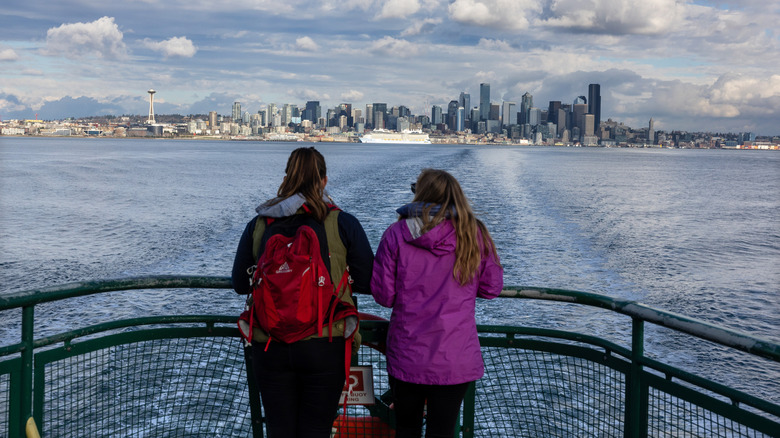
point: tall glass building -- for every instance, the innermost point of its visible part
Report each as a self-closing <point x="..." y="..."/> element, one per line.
<point x="594" y="103"/>
<point x="484" y="101"/>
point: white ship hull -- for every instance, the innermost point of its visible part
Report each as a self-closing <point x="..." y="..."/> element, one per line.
<point x="388" y="137"/>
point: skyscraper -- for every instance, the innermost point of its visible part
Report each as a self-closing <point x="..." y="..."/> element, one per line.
<point x="465" y="101"/>
<point x="650" y="132"/>
<point x="552" y="111"/>
<point x="212" y="120"/>
<point x="236" y="112"/>
<point x="495" y="110"/>
<point x="380" y="115"/>
<point x="594" y="104"/>
<point x="452" y="115"/>
<point x="484" y="101"/>
<point x="313" y="111"/>
<point x="436" y="115"/>
<point x="460" y="123"/>
<point x="525" y="107"/>
<point x="509" y="114"/>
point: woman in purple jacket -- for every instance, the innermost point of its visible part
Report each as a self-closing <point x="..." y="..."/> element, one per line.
<point x="430" y="268"/>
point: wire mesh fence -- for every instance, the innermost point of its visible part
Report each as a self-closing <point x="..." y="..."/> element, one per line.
<point x="165" y="387"/>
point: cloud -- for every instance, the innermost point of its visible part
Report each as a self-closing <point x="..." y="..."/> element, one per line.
<point x="392" y="47"/>
<point x="501" y="14"/>
<point x="8" y="55"/>
<point x="399" y="8"/>
<point x="100" y="38"/>
<point x="12" y="107"/>
<point x="421" y="27"/>
<point x="173" y="47"/>
<point x="489" y="44"/>
<point x="352" y="96"/>
<point x="307" y="94"/>
<point x="617" y="17"/>
<point x="307" y="44"/>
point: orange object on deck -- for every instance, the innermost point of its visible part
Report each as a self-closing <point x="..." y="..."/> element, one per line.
<point x="353" y="427"/>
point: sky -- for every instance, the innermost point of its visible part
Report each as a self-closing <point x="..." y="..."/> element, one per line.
<point x="694" y="65"/>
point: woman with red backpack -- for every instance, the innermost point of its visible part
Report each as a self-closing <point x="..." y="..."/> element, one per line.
<point x="301" y="370"/>
<point x="430" y="268"/>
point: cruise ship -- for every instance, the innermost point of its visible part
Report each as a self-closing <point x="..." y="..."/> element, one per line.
<point x="390" y="137"/>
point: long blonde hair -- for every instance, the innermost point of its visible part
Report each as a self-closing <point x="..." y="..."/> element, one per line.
<point x="305" y="173"/>
<point x="437" y="187"/>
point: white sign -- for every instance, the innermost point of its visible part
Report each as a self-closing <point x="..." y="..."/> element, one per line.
<point x="359" y="389"/>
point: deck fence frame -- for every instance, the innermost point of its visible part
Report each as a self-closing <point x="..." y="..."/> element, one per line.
<point x="23" y="363"/>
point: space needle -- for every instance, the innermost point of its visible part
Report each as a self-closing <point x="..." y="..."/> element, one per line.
<point x="150" y="121"/>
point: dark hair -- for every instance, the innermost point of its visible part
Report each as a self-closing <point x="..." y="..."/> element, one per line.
<point x="304" y="174"/>
<point x="437" y="187"/>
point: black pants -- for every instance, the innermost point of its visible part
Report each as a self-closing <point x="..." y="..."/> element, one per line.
<point x="443" y="408"/>
<point x="300" y="385"/>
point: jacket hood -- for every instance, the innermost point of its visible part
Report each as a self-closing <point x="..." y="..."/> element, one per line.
<point x="440" y="240"/>
<point x="286" y="207"/>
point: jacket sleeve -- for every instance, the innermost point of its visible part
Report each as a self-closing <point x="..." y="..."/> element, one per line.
<point x="383" y="278"/>
<point x="491" y="277"/>
<point x="360" y="257"/>
<point x="244" y="260"/>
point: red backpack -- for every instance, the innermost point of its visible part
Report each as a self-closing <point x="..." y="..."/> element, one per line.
<point x="292" y="291"/>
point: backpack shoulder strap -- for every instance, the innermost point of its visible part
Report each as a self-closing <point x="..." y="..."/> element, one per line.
<point x="338" y="252"/>
<point x="257" y="236"/>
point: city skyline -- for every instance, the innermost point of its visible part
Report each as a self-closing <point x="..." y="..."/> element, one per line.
<point x="690" y="65"/>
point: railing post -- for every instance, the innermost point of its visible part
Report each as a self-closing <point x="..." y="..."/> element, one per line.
<point x="469" y="402"/>
<point x="636" y="389"/>
<point x="28" y="322"/>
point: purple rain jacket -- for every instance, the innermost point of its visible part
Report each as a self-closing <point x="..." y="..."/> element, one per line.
<point x="432" y="337"/>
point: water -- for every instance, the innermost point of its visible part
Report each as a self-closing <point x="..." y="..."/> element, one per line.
<point x="691" y="231"/>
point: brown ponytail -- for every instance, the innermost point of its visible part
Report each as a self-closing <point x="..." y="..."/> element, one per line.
<point x="305" y="173"/>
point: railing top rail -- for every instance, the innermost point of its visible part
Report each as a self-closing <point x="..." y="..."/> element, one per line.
<point x="732" y="338"/>
<point x="701" y="329"/>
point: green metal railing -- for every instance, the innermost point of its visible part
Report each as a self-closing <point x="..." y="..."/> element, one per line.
<point x="185" y="375"/>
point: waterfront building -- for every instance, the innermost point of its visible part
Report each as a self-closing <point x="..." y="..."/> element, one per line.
<point x="484" y="101"/>
<point x="650" y="132"/>
<point x="212" y="121"/>
<point x="588" y="125"/>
